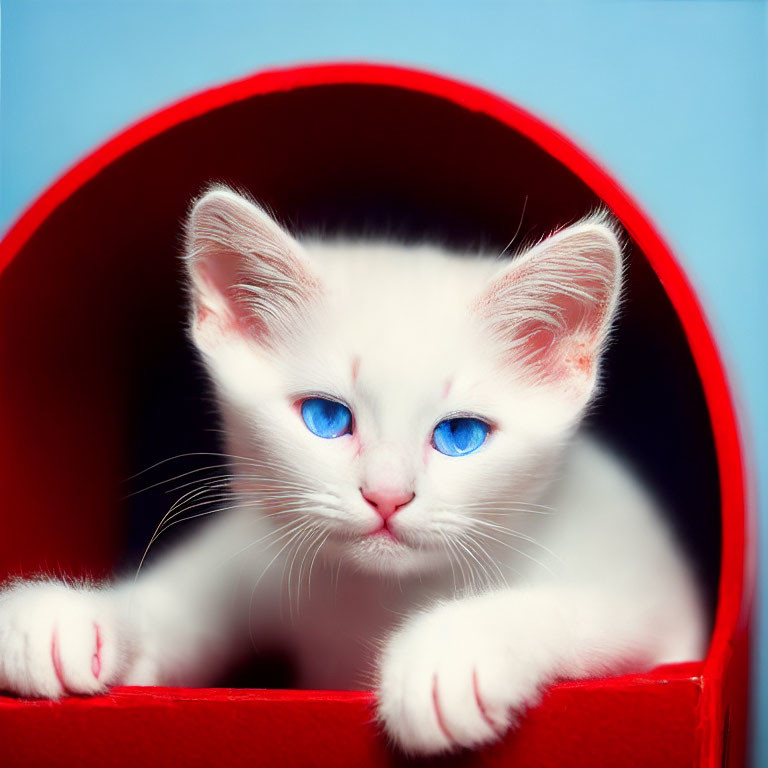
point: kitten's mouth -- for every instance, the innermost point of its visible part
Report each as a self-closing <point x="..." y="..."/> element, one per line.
<point x="384" y="533"/>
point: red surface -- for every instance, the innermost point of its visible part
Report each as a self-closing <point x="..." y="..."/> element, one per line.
<point x="57" y="260"/>
<point x="304" y="728"/>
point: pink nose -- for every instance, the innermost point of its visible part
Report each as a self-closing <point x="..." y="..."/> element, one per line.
<point x="387" y="502"/>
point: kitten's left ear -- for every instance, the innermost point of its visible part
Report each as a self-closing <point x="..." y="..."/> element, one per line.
<point x="551" y="308"/>
<point x="247" y="274"/>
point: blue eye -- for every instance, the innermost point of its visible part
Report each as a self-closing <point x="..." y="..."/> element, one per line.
<point x="326" y="418"/>
<point x="459" y="437"/>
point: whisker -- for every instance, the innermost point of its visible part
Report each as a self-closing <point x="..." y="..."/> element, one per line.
<point x="504" y="505"/>
<point x="156" y="533"/>
<point x="192" y="454"/>
<point x="312" y="564"/>
<point x="515" y="549"/>
<point x="462" y="543"/>
<point x="300" y="527"/>
<point x="515" y="534"/>
<point x="444" y="537"/>
<point x="321" y="532"/>
<point x="309" y="531"/>
<point x="252" y="544"/>
<point x="174" y="478"/>
<point x="491" y="561"/>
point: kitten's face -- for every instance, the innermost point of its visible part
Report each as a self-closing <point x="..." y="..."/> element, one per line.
<point x="392" y="405"/>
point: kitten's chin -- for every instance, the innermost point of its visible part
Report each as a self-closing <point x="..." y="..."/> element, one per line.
<point x="386" y="556"/>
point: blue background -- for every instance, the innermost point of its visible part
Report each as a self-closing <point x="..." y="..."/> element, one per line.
<point x="669" y="96"/>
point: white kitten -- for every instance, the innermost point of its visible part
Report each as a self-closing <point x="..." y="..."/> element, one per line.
<point x="402" y="426"/>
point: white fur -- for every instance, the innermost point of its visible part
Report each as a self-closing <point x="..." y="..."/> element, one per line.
<point x="536" y="558"/>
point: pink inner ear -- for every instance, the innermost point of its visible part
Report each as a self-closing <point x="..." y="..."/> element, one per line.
<point x="218" y="308"/>
<point x="556" y="354"/>
<point x="212" y="323"/>
<point x="579" y="357"/>
<point x="248" y="275"/>
<point x="552" y="308"/>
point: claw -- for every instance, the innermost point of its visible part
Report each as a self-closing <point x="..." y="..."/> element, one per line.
<point x="96" y="660"/>
<point x="438" y="712"/>
<point x="56" y="658"/>
<point x="499" y="730"/>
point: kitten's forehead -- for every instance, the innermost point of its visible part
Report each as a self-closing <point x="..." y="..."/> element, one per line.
<point x="401" y="309"/>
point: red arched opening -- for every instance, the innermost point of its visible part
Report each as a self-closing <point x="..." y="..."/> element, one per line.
<point x="91" y="388"/>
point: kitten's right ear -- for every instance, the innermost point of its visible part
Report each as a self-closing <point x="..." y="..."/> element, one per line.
<point x="246" y="274"/>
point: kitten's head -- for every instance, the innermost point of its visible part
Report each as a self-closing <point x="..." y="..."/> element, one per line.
<point x="396" y="400"/>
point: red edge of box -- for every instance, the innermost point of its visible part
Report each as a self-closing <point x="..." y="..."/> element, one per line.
<point x="738" y="559"/>
<point x="139" y="695"/>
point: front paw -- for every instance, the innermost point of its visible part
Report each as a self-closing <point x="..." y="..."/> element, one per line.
<point x="453" y="677"/>
<point x="57" y="640"/>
